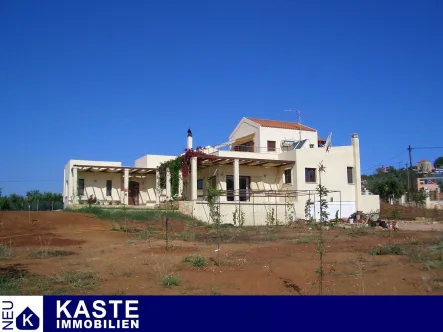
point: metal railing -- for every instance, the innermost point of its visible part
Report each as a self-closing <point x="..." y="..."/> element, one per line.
<point x="249" y="195"/>
<point x="267" y="206"/>
<point x="247" y="148"/>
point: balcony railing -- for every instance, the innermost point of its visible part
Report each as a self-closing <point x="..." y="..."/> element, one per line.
<point x="247" y="148"/>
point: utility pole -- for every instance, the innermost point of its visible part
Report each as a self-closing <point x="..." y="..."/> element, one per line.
<point x="410" y="172"/>
<point x="410" y="155"/>
<point x="409" y="180"/>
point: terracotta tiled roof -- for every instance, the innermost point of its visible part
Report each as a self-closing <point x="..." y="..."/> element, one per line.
<point x="280" y="124"/>
<point x="321" y="140"/>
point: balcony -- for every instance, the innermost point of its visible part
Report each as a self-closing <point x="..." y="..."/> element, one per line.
<point x="256" y="149"/>
<point x="244" y="151"/>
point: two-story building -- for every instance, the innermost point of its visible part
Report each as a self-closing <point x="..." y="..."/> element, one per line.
<point x="269" y="169"/>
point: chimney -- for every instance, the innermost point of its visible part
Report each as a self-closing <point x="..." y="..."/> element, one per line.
<point x="357" y="171"/>
<point x="189" y="142"/>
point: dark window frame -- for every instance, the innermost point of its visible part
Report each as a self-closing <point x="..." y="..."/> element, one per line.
<point x="108" y="188"/>
<point x="81" y="187"/>
<point x="288" y="173"/>
<point x="350" y="174"/>
<point x="270" y="147"/>
<point x="310" y="175"/>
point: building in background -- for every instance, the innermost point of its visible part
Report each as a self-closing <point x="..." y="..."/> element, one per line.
<point x="431" y="179"/>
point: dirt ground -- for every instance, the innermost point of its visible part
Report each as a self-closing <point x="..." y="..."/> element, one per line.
<point x="75" y="253"/>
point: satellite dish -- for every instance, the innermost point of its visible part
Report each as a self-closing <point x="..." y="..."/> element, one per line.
<point x="328" y="143"/>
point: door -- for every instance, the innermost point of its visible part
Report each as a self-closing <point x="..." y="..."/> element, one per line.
<point x="245" y="182"/>
<point x="133" y="193"/>
<point x="244" y="188"/>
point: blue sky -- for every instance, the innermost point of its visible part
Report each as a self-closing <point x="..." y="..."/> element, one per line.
<point x="114" y="80"/>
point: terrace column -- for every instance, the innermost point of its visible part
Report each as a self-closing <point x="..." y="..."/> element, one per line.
<point x="168" y="183"/>
<point x="236" y="179"/>
<point x="194" y="178"/>
<point x="74" y="189"/>
<point x="180" y="184"/>
<point x="125" y="186"/>
<point x="157" y="187"/>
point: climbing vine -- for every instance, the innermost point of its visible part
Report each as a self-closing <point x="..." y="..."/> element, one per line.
<point x="182" y="163"/>
<point x="308" y="210"/>
<point x="238" y="216"/>
<point x="290" y="212"/>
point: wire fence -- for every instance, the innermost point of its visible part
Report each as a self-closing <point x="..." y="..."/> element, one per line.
<point x="272" y="207"/>
<point x="32" y="206"/>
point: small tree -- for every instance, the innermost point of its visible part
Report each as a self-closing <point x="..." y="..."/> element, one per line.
<point x="322" y="191"/>
<point x="419" y="197"/>
<point x="214" y="212"/>
<point x="438" y="163"/>
<point x="4" y="202"/>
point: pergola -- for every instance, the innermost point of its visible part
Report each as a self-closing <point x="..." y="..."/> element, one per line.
<point x="115" y="169"/>
<point x="217" y="160"/>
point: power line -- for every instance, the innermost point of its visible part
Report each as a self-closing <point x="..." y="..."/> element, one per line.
<point x="25" y="181"/>
<point x="372" y="167"/>
<point x="431" y="147"/>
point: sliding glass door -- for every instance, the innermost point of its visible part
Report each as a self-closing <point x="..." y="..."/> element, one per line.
<point x="245" y="182"/>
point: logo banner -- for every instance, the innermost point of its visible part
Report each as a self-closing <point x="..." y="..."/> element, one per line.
<point x="216" y="313"/>
<point x="21" y="313"/>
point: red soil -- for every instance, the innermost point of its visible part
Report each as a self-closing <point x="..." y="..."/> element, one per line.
<point x="253" y="260"/>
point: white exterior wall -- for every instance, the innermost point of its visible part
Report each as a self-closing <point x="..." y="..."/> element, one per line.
<point x="369" y="203"/>
<point x="95" y="184"/>
<point x="69" y="188"/>
<point x="278" y="135"/>
<point x="152" y="161"/>
<point x="336" y="162"/>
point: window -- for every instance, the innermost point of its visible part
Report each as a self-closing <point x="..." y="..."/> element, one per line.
<point x="108" y="187"/>
<point x="288" y="178"/>
<point x="310" y="175"/>
<point x="271" y="145"/>
<point x="81" y="187"/>
<point x="311" y="146"/>
<point x="350" y="175"/>
<point x="212" y="182"/>
<point x="200" y="184"/>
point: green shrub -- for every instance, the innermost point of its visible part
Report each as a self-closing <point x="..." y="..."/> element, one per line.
<point x="387" y="250"/>
<point x="170" y="280"/>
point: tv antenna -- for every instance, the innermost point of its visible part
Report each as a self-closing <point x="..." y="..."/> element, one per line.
<point x="328" y="143"/>
<point x="299" y="121"/>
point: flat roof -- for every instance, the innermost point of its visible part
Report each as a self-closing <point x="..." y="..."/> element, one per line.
<point x="115" y="169"/>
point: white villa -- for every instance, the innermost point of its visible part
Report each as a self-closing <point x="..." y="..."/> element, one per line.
<point x="267" y="168"/>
